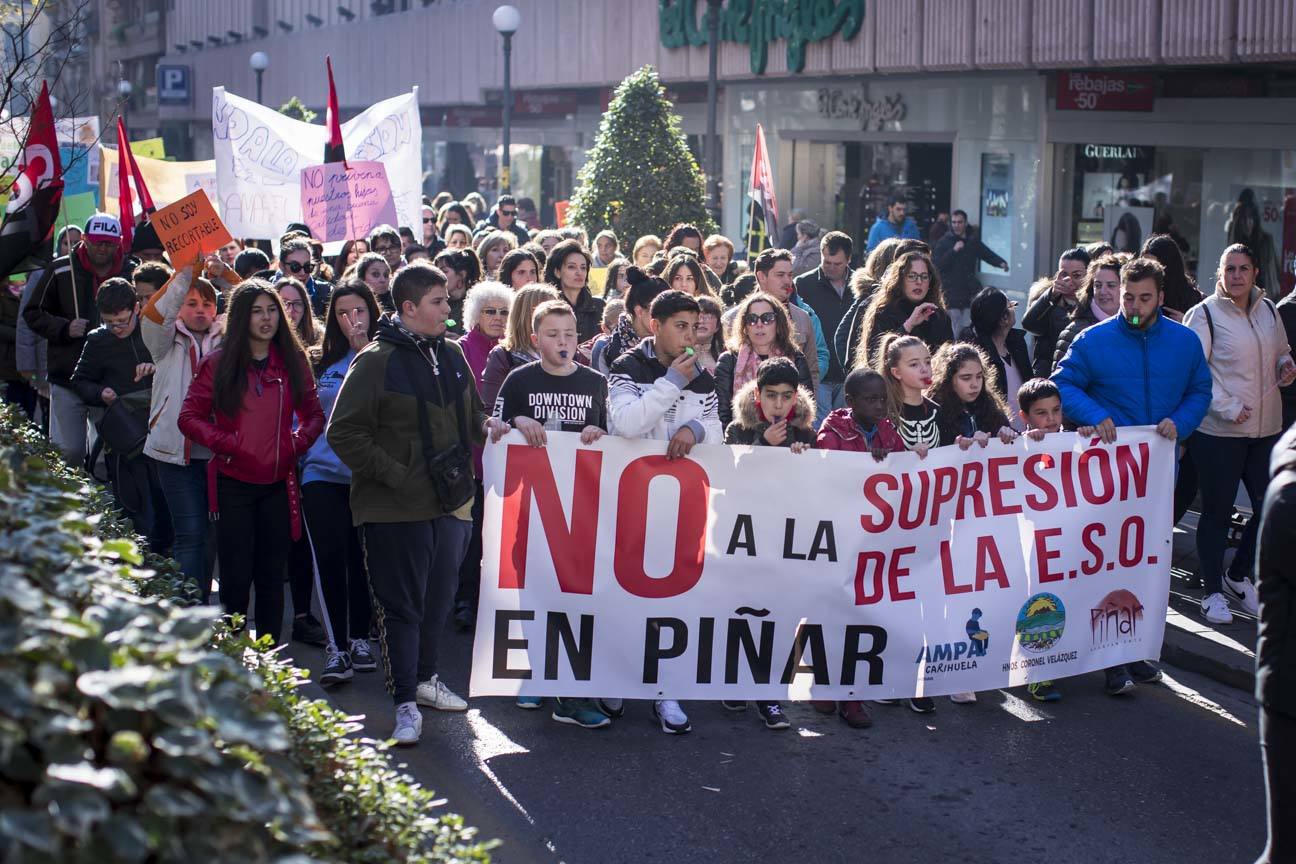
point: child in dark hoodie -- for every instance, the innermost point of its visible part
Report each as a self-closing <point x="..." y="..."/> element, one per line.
<point x="862" y="426"/>
<point x="773" y="410"/>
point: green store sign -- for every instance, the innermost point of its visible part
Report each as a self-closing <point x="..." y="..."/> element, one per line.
<point x="756" y="23"/>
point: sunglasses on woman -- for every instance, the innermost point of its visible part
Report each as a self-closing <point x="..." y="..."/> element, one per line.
<point x="763" y="318"/>
<point x="295" y="266"/>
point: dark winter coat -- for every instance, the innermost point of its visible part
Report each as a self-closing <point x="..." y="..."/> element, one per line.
<point x="1287" y="311"/>
<point x="831" y="308"/>
<point x="748" y="426"/>
<point x="958" y="269"/>
<point x="726" y="365"/>
<point x="589" y="314"/>
<point x="9" y="303"/>
<point x="1017" y="352"/>
<point x="517" y="229"/>
<point x="1081" y="321"/>
<point x="1275" y="687"/>
<point x="374" y="429"/>
<point x="1046" y="317"/>
<point x="935" y="331"/>
<point x="66" y="292"/>
<point x="107" y="361"/>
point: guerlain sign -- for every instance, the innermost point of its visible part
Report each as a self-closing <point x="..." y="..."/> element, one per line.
<point x="836" y="104"/>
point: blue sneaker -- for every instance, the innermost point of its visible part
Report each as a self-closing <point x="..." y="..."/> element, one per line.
<point x="529" y="703"/>
<point x="580" y="712"/>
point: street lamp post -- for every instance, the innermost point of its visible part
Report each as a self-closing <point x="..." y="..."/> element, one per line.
<point x="259" y="61"/>
<point x="124" y="89"/>
<point x="713" y="138"/>
<point x="506" y="20"/>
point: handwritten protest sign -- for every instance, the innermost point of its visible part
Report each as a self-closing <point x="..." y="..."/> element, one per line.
<point x="344" y="201"/>
<point x="190" y="228"/>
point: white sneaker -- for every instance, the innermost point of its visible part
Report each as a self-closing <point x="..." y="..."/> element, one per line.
<point x="409" y="724"/>
<point x="671" y="716"/>
<point x="434" y="694"/>
<point x="1244" y="592"/>
<point x="963" y="698"/>
<point x="1216" y="609"/>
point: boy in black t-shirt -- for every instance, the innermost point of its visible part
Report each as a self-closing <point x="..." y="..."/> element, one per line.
<point x="556" y="393"/>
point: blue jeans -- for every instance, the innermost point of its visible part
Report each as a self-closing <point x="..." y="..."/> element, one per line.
<point x="185" y="489"/>
<point x="830" y="396"/>
<point x="1221" y="464"/>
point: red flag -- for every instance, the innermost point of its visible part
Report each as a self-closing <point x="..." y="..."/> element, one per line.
<point x="35" y="194"/>
<point x="146" y="200"/>
<point x="762" y="225"/>
<point x="125" y="201"/>
<point x="333" y="150"/>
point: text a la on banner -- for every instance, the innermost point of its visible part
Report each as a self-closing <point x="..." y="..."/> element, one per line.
<point x="260" y="154"/>
<point x="756" y="573"/>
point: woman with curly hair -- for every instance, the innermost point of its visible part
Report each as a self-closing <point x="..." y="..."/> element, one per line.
<point x="862" y="284"/>
<point x="685" y="235"/>
<point x="909" y="301"/>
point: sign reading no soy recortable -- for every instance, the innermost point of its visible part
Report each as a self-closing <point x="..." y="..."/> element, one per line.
<point x="190" y="228"/>
<point x="345" y="201"/>
<point x="754" y="573"/>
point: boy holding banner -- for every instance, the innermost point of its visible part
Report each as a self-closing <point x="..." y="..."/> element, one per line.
<point x="658" y="391"/>
<point x="556" y="393"/>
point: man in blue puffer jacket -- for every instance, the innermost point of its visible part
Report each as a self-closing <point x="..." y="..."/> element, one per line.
<point x="1137" y="368"/>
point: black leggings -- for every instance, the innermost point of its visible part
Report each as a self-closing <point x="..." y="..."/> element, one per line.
<point x="252" y="541"/>
<point x="339" y="561"/>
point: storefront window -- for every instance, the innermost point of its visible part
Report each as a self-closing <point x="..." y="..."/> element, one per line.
<point x="1205" y="199"/>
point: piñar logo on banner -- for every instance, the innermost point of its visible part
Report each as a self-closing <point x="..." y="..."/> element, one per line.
<point x="956" y="656"/>
<point x="1116" y="619"/>
<point x="1040" y="622"/>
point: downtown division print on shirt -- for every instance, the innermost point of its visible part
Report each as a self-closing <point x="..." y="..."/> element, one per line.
<point x="578" y="399"/>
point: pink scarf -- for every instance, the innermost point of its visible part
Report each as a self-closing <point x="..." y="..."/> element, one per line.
<point x="748" y="361"/>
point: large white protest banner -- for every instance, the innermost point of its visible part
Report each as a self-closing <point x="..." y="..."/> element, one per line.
<point x="755" y="573"/>
<point x="260" y="155"/>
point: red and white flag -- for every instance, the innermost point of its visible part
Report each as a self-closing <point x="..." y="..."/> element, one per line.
<point x="35" y="194"/>
<point x="762" y="223"/>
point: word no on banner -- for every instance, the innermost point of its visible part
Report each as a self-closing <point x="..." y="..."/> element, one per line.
<point x="755" y="573"/>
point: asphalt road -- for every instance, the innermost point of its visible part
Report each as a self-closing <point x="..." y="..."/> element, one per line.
<point x="1168" y="773"/>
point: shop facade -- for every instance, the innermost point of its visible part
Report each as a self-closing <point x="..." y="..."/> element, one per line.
<point x="1208" y="169"/>
<point x="953" y="103"/>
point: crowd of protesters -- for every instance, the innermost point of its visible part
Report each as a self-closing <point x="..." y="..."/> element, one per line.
<point x="290" y="417"/>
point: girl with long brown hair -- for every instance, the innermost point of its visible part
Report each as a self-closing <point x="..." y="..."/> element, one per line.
<point x="908" y="301"/>
<point x="242" y="406"/>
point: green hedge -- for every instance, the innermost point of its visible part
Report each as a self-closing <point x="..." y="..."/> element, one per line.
<point x="134" y="728"/>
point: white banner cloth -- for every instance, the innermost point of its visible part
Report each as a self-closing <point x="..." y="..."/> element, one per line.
<point x="260" y="153"/>
<point x="754" y="573"/>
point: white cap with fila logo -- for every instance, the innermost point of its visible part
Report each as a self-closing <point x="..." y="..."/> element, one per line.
<point x="103" y="227"/>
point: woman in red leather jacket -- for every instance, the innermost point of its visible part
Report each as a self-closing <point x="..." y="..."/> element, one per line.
<point x="241" y="406"/>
